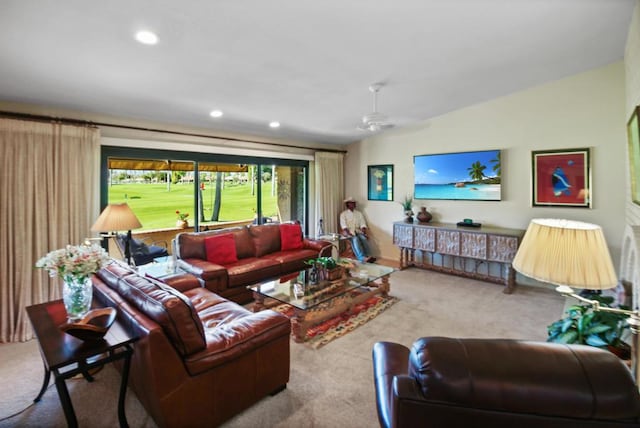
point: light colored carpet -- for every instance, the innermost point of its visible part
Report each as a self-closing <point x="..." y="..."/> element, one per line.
<point x="329" y="387"/>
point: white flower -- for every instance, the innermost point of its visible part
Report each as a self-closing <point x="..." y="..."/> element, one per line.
<point x="74" y="261"/>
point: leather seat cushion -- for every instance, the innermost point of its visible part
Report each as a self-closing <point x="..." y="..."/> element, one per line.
<point x="231" y="330"/>
<point x="292" y="260"/>
<point x="251" y="270"/>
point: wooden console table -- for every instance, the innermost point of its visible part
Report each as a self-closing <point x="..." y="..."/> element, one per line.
<point x="464" y="251"/>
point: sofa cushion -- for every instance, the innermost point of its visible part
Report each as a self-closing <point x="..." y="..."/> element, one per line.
<point x="166" y="306"/>
<point x="266" y="238"/>
<point x="290" y="237"/>
<point x="221" y="249"/>
<point x="191" y="244"/>
<point x="250" y="271"/>
<point x="294" y="260"/>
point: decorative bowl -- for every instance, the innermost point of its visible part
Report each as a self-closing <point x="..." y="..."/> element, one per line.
<point x="93" y="326"/>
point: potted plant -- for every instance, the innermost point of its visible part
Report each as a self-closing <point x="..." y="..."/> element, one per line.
<point x="584" y="326"/>
<point x="182" y="222"/>
<point x="407" y="207"/>
<point x="328" y="268"/>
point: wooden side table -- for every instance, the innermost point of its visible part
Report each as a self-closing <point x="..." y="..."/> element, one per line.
<point x="66" y="356"/>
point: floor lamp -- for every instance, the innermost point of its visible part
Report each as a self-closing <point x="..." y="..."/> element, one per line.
<point x="570" y="254"/>
<point x="117" y="217"/>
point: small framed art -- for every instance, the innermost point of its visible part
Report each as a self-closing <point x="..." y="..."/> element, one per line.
<point x="380" y="182"/>
<point x="561" y="178"/>
<point x="633" y="133"/>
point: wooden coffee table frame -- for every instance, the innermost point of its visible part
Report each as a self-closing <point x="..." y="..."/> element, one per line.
<point x="303" y="319"/>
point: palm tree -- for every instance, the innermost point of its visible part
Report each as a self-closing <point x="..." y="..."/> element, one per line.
<point x="476" y="170"/>
<point x="496" y="165"/>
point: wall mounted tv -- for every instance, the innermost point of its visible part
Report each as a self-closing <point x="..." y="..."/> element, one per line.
<point x="459" y="176"/>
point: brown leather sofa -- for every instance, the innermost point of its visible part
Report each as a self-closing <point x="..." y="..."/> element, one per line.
<point x="259" y="257"/>
<point x="199" y="358"/>
<point x="445" y="382"/>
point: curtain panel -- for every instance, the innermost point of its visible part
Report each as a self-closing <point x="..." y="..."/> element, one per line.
<point x="49" y="194"/>
<point x="329" y="170"/>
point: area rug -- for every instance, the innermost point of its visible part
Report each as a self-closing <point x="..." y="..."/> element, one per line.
<point x="333" y="328"/>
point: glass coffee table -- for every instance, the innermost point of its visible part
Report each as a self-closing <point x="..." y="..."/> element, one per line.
<point x="317" y="301"/>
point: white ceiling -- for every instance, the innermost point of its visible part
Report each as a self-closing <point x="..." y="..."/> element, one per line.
<point x="307" y="64"/>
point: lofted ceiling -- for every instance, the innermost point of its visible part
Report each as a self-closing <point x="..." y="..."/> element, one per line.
<point x="305" y="64"/>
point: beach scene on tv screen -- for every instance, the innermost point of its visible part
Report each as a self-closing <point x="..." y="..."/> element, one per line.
<point x="468" y="175"/>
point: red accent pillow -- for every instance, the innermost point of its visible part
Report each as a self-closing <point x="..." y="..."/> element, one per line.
<point x="221" y="249"/>
<point x="290" y="237"/>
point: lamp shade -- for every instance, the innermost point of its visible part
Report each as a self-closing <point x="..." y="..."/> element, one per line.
<point x="566" y="252"/>
<point x="116" y="217"/>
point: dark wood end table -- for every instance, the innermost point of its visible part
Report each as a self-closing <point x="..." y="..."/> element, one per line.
<point x="66" y="356"/>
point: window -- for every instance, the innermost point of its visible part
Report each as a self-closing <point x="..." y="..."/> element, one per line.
<point x="213" y="191"/>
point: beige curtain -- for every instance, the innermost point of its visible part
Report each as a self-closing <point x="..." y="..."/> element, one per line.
<point x="329" y="189"/>
<point x="49" y="197"/>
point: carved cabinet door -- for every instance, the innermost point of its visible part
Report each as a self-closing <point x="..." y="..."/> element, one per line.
<point x="473" y="245"/>
<point x="502" y="248"/>
<point x="403" y="236"/>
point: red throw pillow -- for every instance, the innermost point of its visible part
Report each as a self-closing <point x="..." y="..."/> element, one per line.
<point x="221" y="249"/>
<point x="290" y="237"/>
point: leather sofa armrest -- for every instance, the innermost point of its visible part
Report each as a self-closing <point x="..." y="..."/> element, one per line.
<point x="406" y="388"/>
<point x="318" y="245"/>
<point x="390" y="360"/>
<point x="202" y="268"/>
<point x="182" y="281"/>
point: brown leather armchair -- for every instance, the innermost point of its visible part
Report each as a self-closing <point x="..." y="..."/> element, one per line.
<point x="445" y="382"/>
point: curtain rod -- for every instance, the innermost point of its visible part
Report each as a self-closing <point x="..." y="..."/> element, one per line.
<point x="68" y="121"/>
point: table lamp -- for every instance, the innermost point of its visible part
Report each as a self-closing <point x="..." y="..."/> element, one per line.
<point x="569" y="254"/>
<point x="117" y="217"/>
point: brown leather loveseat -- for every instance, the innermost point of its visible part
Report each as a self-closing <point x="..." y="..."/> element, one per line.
<point x="445" y="382"/>
<point x="228" y="260"/>
<point x="199" y="358"/>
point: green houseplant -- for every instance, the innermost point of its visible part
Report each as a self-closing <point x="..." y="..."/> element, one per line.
<point x="327" y="268"/>
<point x="407" y="205"/>
<point x="584" y="326"/>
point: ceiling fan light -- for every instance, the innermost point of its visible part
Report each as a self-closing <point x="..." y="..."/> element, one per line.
<point x="146" y="37"/>
<point x="375" y="121"/>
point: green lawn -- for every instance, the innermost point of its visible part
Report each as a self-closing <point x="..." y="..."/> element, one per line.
<point x="155" y="206"/>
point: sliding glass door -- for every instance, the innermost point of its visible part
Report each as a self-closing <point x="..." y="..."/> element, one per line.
<point x="209" y="191"/>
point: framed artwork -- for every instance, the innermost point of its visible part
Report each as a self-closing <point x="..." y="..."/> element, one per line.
<point x="561" y="178"/>
<point x="380" y="182"/>
<point x="633" y="133"/>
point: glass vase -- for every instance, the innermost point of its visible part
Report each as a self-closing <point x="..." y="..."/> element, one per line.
<point x="77" y="294"/>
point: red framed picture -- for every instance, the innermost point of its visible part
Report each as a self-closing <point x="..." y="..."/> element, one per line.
<point x="561" y="178"/>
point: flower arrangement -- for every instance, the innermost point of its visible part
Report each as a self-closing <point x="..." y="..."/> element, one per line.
<point x="74" y="262"/>
<point x="182" y="216"/>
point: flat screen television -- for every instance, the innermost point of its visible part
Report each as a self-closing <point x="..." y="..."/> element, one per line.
<point x="458" y="176"/>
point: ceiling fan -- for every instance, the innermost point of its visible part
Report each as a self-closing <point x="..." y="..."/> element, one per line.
<point x="375" y="121"/>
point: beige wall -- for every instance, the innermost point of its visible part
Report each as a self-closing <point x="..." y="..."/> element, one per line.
<point x="584" y="110"/>
<point x="632" y="93"/>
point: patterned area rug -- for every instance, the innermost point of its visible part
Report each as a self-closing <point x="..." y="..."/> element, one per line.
<point x="333" y="328"/>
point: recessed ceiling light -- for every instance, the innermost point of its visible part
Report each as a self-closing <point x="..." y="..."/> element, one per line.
<point x="146" y="37"/>
<point x="274" y="124"/>
<point x="216" y="113"/>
